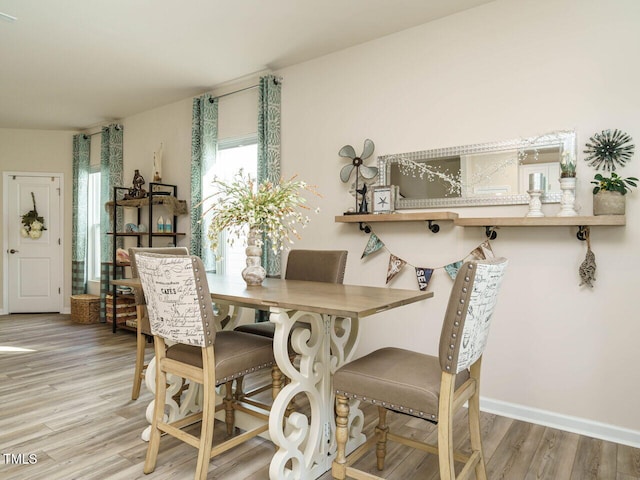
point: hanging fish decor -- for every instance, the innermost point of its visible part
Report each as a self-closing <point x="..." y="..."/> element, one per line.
<point x="587" y="268"/>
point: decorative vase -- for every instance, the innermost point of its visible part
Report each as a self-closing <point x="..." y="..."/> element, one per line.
<point x="606" y="202"/>
<point x="253" y="274"/>
<point x="568" y="200"/>
<point x="535" y="205"/>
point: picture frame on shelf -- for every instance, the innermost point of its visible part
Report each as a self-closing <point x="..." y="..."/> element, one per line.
<point x="383" y="199"/>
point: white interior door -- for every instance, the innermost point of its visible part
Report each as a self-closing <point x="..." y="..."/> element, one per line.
<point x="34" y="264"/>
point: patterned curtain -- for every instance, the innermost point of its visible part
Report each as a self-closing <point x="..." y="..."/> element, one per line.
<point x="110" y="176"/>
<point x="81" y="152"/>
<point x="204" y="145"/>
<point x="269" y="151"/>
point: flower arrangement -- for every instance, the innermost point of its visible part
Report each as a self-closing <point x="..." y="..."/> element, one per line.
<point x="615" y="183"/>
<point x="33" y="224"/>
<point x="272" y="209"/>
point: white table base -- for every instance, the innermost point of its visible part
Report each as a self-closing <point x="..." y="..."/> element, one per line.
<point x="307" y="443"/>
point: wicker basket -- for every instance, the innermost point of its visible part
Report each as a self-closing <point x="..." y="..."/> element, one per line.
<point x="85" y="308"/>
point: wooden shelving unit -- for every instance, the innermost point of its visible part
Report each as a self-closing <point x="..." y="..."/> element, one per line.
<point x="155" y="198"/>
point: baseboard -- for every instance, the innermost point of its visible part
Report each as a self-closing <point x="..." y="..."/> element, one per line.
<point x="567" y="423"/>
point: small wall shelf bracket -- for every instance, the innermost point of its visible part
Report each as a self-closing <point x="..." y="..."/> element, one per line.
<point x="434" y="227"/>
<point x="365" y="228"/>
<point x="583" y="233"/>
<point x="491" y="233"/>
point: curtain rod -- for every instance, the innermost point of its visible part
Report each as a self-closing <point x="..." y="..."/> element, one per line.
<point x="118" y="127"/>
<point x="276" y="80"/>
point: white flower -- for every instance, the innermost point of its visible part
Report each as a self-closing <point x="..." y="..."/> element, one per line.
<point x="36" y="225"/>
<point x="35" y="234"/>
<point x="24" y="233"/>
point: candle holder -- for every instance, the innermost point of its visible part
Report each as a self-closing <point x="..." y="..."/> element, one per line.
<point x="535" y="204"/>
<point x="568" y="200"/>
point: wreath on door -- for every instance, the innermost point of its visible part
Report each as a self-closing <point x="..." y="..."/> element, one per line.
<point x="33" y="224"/>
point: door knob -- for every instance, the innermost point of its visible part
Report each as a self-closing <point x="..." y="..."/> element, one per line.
<point x="13" y="251"/>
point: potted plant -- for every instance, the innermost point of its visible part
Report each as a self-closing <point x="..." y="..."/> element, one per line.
<point x="568" y="165"/>
<point x="246" y="208"/>
<point x="609" y="193"/>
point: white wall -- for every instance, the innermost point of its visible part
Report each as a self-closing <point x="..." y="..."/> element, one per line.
<point x="41" y="151"/>
<point x="505" y="70"/>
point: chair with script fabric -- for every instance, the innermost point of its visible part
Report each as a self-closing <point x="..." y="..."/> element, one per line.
<point x="143" y="331"/>
<point x="424" y="386"/>
<point x="181" y="314"/>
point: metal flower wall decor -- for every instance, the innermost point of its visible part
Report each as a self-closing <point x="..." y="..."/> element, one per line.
<point x="608" y="150"/>
<point x="357" y="164"/>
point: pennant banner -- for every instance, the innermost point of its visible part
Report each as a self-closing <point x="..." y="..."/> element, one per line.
<point x="423" y="275"/>
<point x="478" y="253"/>
<point x="373" y="245"/>
<point x="486" y="248"/>
<point x="452" y="269"/>
<point x="395" y="265"/>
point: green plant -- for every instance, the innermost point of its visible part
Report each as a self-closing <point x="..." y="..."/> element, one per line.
<point x="615" y="183"/>
<point x="271" y="208"/>
<point x="568" y="165"/>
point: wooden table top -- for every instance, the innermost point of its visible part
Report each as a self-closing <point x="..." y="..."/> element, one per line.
<point x="319" y="297"/>
<point x="335" y="299"/>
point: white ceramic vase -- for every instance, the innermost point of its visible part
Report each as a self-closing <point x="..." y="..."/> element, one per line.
<point x="253" y="274"/>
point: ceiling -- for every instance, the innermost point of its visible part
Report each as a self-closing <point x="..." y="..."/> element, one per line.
<point x="73" y="64"/>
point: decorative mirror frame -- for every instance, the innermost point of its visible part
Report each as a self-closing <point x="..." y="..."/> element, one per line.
<point x="552" y="139"/>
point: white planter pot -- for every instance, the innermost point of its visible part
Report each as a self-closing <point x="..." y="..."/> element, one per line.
<point x="609" y="203"/>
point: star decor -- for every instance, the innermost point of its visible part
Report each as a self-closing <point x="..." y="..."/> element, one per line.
<point x="609" y="150"/>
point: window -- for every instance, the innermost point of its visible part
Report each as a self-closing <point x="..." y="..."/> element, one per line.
<point x="93" y="225"/>
<point x="233" y="155"/>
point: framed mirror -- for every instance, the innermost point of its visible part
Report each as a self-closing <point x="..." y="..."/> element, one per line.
<point x="474" y="175"/>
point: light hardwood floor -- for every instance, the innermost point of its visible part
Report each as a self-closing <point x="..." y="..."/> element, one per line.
<point x="67" y="401"/>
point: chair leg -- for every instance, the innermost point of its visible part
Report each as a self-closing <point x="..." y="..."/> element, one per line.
<point x="445" y="427"/>
<point x="158" y="412"/>
<point x="339" y="465"/>
<point x="474" y="423"/>
<point x="239" y="393"/>
<point x="277" y="381"/>
<point x="208" y="419"/>
<point x="230" y="414"/>
<point x="137" y="374"/>
<point x="381" y="431"/>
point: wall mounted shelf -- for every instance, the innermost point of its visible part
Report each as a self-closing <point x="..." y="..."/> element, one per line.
<point x="602" y="220"/>
<point x="489" y="223"/>
<point x="429" y="217"/>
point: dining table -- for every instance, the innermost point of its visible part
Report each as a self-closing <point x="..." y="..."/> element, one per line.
<point x="321" y="323"/>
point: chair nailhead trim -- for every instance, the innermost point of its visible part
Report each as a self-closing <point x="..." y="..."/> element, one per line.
<point x="398" y="408"/>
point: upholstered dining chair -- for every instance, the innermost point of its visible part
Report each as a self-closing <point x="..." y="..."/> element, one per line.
<point x="309" y="265"/>
<point x="181" y="313"/>
<point x="143" y="330"/>
<point x="424" y="386"/>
